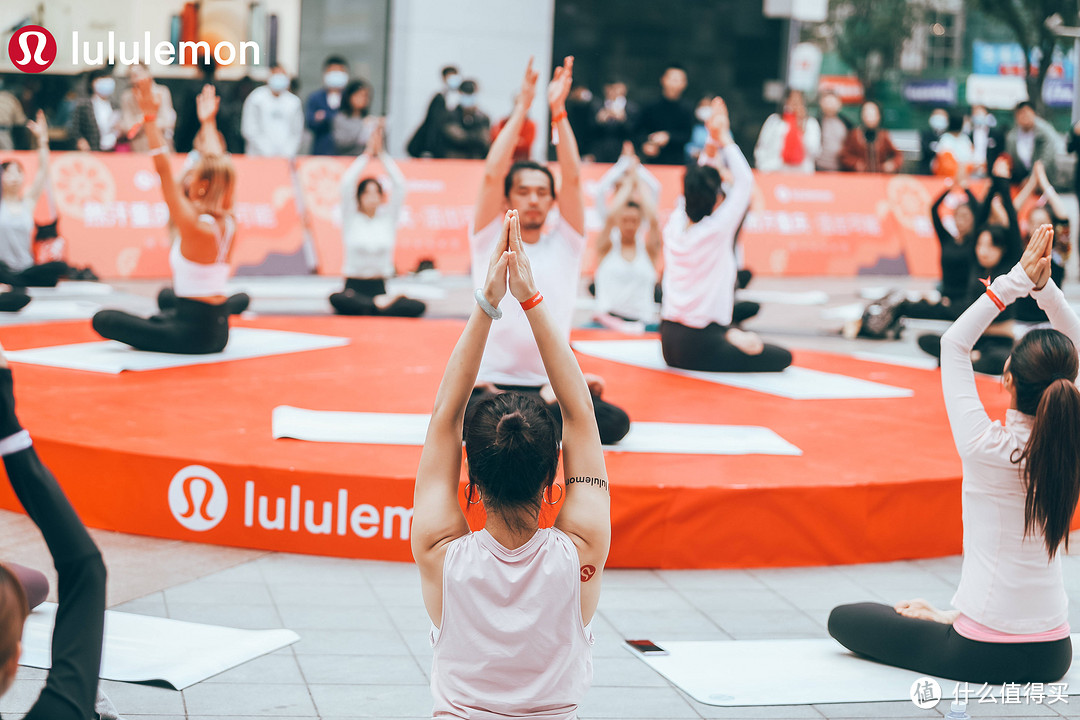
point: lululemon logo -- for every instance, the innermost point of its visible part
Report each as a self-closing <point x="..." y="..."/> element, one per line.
<point x="32" y="48"/>
<point x="197" y="498"/>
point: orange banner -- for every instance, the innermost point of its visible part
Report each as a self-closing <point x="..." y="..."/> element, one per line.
<point x="831" y="224"/>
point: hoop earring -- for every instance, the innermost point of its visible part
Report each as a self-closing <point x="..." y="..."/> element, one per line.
<point x="469" y="490"/>
<point x="547" y="494"/>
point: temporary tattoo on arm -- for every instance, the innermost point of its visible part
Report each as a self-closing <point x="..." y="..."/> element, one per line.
<point x="598" y="482"/>
<point x="587" y="572"/>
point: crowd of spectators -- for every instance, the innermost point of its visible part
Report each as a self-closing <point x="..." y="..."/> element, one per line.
<point x="271" y="119"/>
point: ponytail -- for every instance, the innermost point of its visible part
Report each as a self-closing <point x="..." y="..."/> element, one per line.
<point x="1051" y="465"/>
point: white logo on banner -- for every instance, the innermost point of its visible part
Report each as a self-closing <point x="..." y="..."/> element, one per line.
<point x="197" y="498"/>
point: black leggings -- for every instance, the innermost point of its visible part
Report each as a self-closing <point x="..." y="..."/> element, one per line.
<point x="235" y="304"/>
<point x="358" y="298"/>
<point x="926" y="310"/>
<point x="43" y="275"/>
<point x="707" y="349"/>
<point x="193" y="327"/>
<point x="612" y="421"/>
<point x="72" y="683"/>
<point x="880" y="633"/>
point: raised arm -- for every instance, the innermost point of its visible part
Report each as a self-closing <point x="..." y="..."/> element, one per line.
<point x="40" y="130"/>
<point x="720" y="143"/>
<point x="654" y="239"/>
<point x="571" y="196"/>
<point x="586" y="506"/>
<point x="501" y="154"/>
<point x="967" y="416"/>
<point x="943" y="234"/>
<point x="437" y="515"/>
<point x="211" y="141"/>
<point x="71" y="686"/>
<point x="608" y="181"/>
<point x="1057" y="205"/>
<point x="622" y="197"/>
<point x="181" y="210"/>
<point x="1050" y="298"/>
<point x="350" y="179"/>
<point x="398" y="187"/>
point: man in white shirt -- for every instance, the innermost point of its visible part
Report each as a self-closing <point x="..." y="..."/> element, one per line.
<point x="511" y="360"/>
<point x="272" y="121"/>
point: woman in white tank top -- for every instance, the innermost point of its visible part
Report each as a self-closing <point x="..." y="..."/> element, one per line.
<point x="511" y="604"/>
<point x="202" y="213"/>
<point x="628" y="268"/>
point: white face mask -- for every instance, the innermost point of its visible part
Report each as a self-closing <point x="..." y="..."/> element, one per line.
<point x="453" y="82"/>
<point x="278" y="82"/>
<point x="336" y="79"/>
<point x="939" y="123"/>
<point x="468" y="101"/>
<point x="104" y="86"/>
<point x="703" y="113"/>
<point x="979" y="120"/>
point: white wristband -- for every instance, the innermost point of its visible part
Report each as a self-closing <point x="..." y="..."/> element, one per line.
<point x="159" y="150"/>
<point x="492" y="312"/>
<point x="15" y="443"/>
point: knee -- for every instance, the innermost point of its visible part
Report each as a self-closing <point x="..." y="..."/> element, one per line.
<point x="104" y="321"/>
<point x="613" y="423"/>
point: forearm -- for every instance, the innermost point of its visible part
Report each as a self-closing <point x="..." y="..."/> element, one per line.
<point x="350" y="179"/>
<point x="564" y="374"/>
<point x="501" y="153"/>
<point x="397" y="178"/>
<point x="461" y="369"/>
<point x="1061" y="315"/>
<point x="211" y="140"/>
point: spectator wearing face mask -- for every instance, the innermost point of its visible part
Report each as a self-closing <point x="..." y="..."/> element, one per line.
<point x="1032" y="139"/>
<point x="613" y="118"/>
<point x="426" y="140"/>
<point x="272" y="121"/>
<point x="789" y="140"/>
<point x="987" y="140"/>
<point x="324" y="103"/>
<point x="700" y="134"/>
<point x="95" y="122"/>
<point x="954" y="155"/>
<point x="131" y="118"/>
<point x="467" y="132"/>
<point x="929" y="137"/>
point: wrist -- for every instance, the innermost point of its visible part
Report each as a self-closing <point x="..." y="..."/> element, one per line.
<point x="558" y="112"/>
<point x="532" y="301"/>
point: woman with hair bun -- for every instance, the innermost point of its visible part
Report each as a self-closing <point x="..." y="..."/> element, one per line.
<point x="1021" y="481"/>
<point x="511" y="605"/>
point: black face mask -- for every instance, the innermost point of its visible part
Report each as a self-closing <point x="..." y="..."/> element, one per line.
<point x="871" y="134"/>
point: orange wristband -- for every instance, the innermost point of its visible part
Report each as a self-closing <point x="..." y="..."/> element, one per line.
<point x="151" y="117"/>
<point x="532" y="302"/>
<point x="558" y="118"/>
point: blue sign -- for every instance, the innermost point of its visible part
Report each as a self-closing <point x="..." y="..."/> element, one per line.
<point x="1009" y="59"/>
<point x="1058" y="92"/>
<point x="931" y="92"/>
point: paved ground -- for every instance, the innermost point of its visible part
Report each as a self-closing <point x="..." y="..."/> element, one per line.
<point x="364" y="651"/>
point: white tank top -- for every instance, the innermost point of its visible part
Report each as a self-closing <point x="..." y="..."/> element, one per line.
<point x="512" y="642"/>
<point x="626" y="287"/>
<point x="192" y="279"/>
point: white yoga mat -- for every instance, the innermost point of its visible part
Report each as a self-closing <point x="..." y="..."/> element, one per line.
<point x="40" y="310"/>
<point x="70" y="289"/>
<point x="922" y="363"/>
<point x="141" y="648"/>
<point x="796" y="672"/>
<point x="113" y="357"/>
<point x="794" y="383"/>
<point x="644" y="437"/>
<point x="779" y="297"/>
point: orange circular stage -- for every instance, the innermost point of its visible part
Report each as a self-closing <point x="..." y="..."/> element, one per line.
<point x="188" y="453"/>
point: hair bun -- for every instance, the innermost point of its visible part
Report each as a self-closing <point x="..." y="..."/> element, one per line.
<point x="509" y="424"/>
